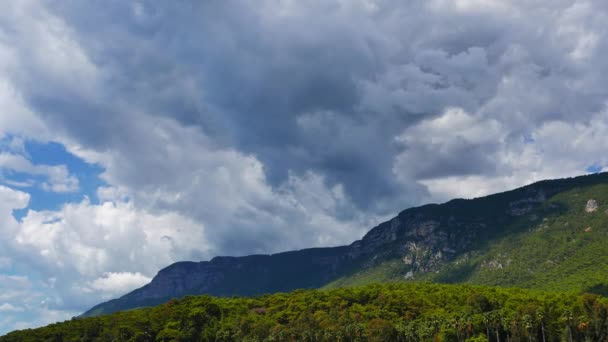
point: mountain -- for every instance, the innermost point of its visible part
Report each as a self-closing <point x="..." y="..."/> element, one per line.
<point x="548" y="235"/>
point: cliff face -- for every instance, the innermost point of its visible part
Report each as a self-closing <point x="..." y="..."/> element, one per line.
<point x="419" y="242"/>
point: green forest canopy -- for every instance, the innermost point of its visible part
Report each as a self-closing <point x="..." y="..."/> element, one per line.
<point x="378" y="312"/>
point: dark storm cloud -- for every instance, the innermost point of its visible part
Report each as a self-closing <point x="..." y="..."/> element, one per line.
<point x="245" y="76"/>
<point x="347" y="90"/>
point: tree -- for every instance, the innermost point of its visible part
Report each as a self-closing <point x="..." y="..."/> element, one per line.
<point x="567" y="316"/>
<point x="528" y="324"/>
<point x="540" y="316"/>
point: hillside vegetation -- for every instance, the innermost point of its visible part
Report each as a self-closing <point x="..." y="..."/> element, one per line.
<point x="387" y="312"/>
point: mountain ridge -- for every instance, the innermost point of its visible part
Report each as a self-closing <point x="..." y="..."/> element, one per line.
<point x="434" y="242"/>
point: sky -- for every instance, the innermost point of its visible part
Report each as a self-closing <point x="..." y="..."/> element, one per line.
<point x="134" y="134"/>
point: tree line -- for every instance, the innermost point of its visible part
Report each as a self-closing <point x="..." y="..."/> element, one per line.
<point x="379" y="312"/>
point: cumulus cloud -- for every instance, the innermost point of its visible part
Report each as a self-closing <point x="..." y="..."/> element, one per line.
<point x="493" y="159"/>
<point x="229" y="191"/>
<point x="112" y="284"/>
<point x="62" y="261"/>
<point x="232" y="127"/>
<point x="73" y="249"/>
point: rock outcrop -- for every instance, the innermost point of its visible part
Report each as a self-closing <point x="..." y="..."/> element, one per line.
<point x="591" y="206"/>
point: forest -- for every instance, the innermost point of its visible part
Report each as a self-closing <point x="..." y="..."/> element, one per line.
<point x="377" y="312"/>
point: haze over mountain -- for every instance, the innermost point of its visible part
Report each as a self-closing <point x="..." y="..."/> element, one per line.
<point x="137" y="134"/>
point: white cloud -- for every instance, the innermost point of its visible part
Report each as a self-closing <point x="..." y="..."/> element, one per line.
<point x="58" y="178"/>
<point x="11" y="199"/>
<point x="554" y="150"/>
<point x="44" y="42"/>
<point x="112" y="284"/>
<point x="454" y="123"/>
<point x="15" y="116"/>
<point x="6" y="307"/>
<point x="82" y="254"/>
<point x="89" y="240"/>
<point x="452" y="144"/>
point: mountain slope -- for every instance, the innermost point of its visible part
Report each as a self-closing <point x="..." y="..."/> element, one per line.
<point x="538" y="236"/>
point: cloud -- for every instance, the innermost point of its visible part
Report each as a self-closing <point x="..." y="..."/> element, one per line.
<point x="6" y="307"/>
<point x="15" y="116"/>
<point x="437" y="147"/>
<point x="15" y="282"/>
<point x="5" y="262"/>
<point x="58" y="178"/>
<point x="112" y="284"/>
<point x="11" y="199"/>
<point x="60" y="262"/>
<point x="555" y="149"/>
<point x="81" y="242"/>
<point x="373" y="75"/>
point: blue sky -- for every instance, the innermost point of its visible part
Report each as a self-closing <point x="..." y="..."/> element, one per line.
<point x="51" y="154"/>
<point x="137" y="134"/>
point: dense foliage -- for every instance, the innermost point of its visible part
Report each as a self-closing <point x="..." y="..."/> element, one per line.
<point x="388" y="312"/>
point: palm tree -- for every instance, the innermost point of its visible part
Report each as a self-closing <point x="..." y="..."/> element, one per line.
<point x="496" y="322"/>
<point x="506" y="323"/>
<point x="568" y="318"/>
<point x="468" y="324"/>
<point x="528" y="322"/>
<point x="487" y="318"/>
<point x="540" y="316"/>
<point x="435" y="323"/>
<point x="456" y="323"/>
